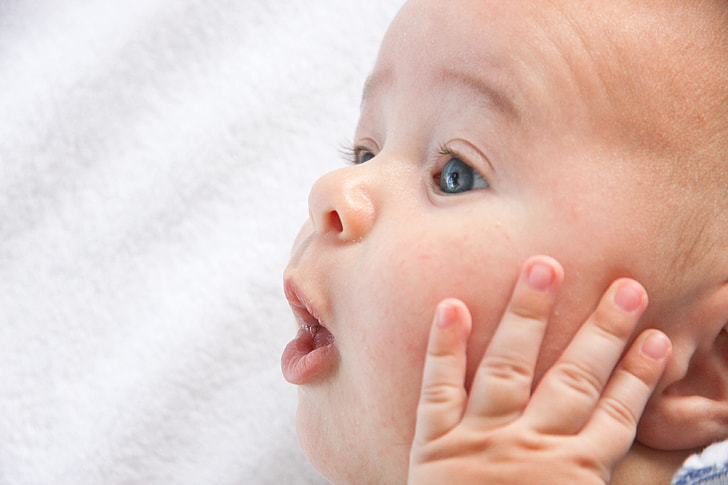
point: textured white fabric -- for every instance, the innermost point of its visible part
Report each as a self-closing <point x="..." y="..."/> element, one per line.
<point x="715" y="454"/>
<point x="155" y="159"/>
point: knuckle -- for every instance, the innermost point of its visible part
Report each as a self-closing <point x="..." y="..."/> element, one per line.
<point x="612" y="324"/>
<point x="530" y="314"/>
<point x="532" y="442"/>
<point x="619" y="412"/>
<point x="441" y="393"/>
<point x="591" y="464"/>
<point x="441" y="352"/>
<point x="442" y="362"/>
<point x="506" y="368"/>
<point x="579" y="379"/>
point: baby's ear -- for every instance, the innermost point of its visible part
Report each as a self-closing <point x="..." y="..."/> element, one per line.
<point x="690" y="406"/>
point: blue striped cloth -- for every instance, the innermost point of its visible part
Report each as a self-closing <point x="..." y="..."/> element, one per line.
<point x="707" y="468"/>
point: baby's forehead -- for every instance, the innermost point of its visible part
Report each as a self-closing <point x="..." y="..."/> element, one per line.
<point x="660" y="63"/>
<point x="620" y="37"/>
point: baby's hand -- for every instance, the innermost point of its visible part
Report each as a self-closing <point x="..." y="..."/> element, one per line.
<point x="578" y="423"/>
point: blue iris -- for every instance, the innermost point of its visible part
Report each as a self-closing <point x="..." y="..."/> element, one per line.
<point x="366" y="157"/>
<point x="457" y="176"/>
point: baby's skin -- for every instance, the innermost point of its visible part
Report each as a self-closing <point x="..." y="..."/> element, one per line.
<point x="574" y="427"/>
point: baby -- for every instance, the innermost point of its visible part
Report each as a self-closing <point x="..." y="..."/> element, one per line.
<point x="490" y="131"/>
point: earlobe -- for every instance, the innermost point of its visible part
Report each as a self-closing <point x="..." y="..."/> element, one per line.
<point x="690" y="410"/>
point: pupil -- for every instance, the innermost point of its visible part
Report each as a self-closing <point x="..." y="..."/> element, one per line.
<point x="452" y="181"/>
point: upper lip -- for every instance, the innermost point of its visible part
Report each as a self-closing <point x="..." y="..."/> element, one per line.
<point x="303" y="308"/>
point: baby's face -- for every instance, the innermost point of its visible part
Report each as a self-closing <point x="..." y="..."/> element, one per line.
<point x="486" y="136"/>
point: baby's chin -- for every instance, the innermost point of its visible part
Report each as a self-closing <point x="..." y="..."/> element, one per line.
<point x="328" y="460"/>
<point x="344" y="457"/>
<point x="314" y="436"/>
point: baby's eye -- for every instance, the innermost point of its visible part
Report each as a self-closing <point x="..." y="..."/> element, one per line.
<point x="365" y="156"/>
<point x="357" y="154"/>
<point x="457" y="176"/>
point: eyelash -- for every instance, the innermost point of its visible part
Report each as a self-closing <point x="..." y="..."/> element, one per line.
<point x="353" y="154"/>
<point x="445" y="151"/>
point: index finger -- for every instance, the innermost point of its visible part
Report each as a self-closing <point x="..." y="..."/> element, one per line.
<point x="443" y="396"/>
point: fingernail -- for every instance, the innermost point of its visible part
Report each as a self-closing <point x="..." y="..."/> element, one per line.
<point x="540" y="276"/>
<point x="445" y="315"/>
<point x="656" y="346"/>
<point x="628" y="296"/>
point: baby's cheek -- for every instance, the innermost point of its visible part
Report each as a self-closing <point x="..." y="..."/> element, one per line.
<point x="399" y="286"/>
<point x="399" y="309"/>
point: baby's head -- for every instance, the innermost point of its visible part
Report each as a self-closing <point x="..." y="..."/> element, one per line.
<point x="594" y="132"/>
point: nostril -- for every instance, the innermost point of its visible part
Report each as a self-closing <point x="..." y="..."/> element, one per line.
<point x="334" y="221"/>
<point x="340" y="205"/>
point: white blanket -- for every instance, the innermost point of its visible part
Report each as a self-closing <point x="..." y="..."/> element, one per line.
<point x="155" y="160"/>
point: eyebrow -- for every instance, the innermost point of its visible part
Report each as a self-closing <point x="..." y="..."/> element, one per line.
<point x="500" y="99"/>
<point x="373" y="82"/>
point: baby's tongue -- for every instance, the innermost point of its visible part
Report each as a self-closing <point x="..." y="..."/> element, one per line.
<point x="321" y="337"/>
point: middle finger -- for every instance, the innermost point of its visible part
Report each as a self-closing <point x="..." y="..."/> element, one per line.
<point x="568" y="394"/>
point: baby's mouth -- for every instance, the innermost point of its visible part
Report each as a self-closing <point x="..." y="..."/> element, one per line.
<point x="308" y="319"/>
<point x="319" y="335"/>
<point x="312" y="351"/>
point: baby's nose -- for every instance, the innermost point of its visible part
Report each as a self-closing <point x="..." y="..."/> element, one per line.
<point x="340" y="203"/>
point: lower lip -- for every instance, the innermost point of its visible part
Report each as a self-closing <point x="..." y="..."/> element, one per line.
<point x="308" y="357"/>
